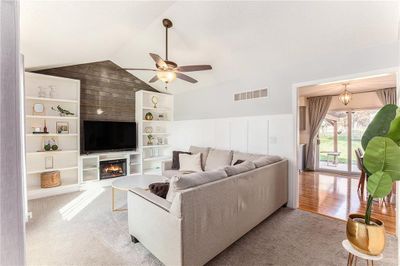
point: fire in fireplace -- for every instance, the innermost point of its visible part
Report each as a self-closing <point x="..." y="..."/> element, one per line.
<point x="112" y="168"/>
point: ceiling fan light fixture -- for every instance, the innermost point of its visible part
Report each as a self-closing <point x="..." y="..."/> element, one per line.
<point x="166" y="76"/>
<point x="345" y="96"/>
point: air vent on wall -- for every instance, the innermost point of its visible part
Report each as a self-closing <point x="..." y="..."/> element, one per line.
<point x="247" y="95"/>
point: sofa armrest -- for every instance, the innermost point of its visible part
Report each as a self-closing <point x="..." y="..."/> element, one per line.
<point x="152" y="198"/>
<point x="166" y="165"/>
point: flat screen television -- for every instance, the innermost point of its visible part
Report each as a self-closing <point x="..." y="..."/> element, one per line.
<point x="109" y="136"/>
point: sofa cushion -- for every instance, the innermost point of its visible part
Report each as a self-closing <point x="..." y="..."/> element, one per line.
<point x="182" y="182"/>
<point x="175" y="159"/>
<point x="171" y="173"/>
<point x="237" y="155"/>
<point x="203" y="150"/>
<point x="266" y="160"/>
<point x="218" y="159"/>
<point x="239" y="168"/>
<point x="190" y="162"/>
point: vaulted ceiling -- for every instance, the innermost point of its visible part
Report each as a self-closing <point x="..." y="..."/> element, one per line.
<point x="241" y="40"/>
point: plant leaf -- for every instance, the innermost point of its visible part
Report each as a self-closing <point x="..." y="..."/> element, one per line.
<point x="379" y="184"/>
<point x="394" y="130"/>
<point x="380" y="124"/>
<point x="383" y="154"/>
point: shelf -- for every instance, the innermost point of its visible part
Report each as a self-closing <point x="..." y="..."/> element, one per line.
<point x="158" y="158"/>
<point x="50" y="152"/>
<point x="147" y="134"/>
<point x="51" y="135"/>
<point x="156" y="146"/>
<point x="52" y="117"/>
<point x="156" y="121"/>
<point x="162" y="109"/>
<point x="51" y="170"/>
<point x="50" y="99"/>
<point x="91" y="168"/>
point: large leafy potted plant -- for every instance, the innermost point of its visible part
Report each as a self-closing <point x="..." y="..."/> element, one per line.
<point x="381" y="143"/>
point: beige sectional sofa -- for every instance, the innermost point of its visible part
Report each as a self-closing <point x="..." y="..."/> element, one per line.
<point x="208" y="211"/>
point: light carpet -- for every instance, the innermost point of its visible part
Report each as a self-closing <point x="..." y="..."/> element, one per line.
<point x="80" y="229"/>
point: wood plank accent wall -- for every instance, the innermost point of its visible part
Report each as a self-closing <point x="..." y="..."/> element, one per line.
<point x="105" y="86"/>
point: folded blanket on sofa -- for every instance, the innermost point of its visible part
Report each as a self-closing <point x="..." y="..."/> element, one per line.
<point x="159" y="189"/>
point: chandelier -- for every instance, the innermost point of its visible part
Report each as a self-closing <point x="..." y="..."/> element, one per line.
<point x="345" y="96"/>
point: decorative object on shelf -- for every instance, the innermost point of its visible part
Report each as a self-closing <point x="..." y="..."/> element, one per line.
<point x="61" y="111"/>
<point x="161" y="117"/>
<point x="50" y="179"/>
<point x="38" y="109"/>
<point x="148" y="130"/>
<point x="154" y="100"/>
<point x="45" y="128"/>
<point x="150" y="139"/>
<point x="62" y="127"/>
<point x="48" y="162"/>
<point x="50" y="144"/>
<point x="160" y="141"/>
<point x="165" y="141"/>
<point x="166" y="70"/>
<point x="345" y="96"/>
<point x="52" y="93"/>
<point x="381" y="161"/>
<point x="42" y="92"/>
<point x="148" y="116"/>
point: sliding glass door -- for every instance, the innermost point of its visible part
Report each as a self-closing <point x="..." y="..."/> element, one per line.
<point x="339" y="135"/>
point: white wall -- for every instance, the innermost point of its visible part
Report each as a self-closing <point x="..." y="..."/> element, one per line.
<point x="269" y="134"/>
<point x="217" y="101"/>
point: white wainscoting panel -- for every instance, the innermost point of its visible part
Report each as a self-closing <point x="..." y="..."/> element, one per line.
<point x="270" y="134"/>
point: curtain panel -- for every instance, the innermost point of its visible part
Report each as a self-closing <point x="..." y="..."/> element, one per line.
<point x="318" y="108"/>
<point x="387" y="96"/>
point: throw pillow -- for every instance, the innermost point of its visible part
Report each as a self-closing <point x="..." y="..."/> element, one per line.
<point x="175" y="159"/>
<point x="266" y="160"/>
<point x="239" y="168"/>
<point x="237" y="155"/>
<point x="160" y="189"/>
<point x="178" y="183"/>
<point x="218" y="158"/>
<point x="203" y="151"/>
<point x="190" y="162"/>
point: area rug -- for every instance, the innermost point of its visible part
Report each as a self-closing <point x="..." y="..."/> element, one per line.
<point x="80" y="229"/>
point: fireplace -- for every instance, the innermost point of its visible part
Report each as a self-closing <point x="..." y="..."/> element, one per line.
<point x="112" y="168"/>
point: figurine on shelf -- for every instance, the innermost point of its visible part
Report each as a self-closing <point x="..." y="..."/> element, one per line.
<point x="61" y="111"/>
<point x="148" y="116"/>
<point x="52" y="91"/>
<point x="150" y="139"/>
<point x="42" y="92"/>
<point x="45" y="127"/>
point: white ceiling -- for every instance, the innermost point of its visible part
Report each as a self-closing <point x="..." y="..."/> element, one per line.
<point x="354" y="86"/>
<point x="241" y="40"/>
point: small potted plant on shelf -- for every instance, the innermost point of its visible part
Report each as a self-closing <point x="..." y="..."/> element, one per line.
<point x="381" y="161"/>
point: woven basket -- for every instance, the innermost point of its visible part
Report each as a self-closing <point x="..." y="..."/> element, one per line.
<point x="50" y="179"/>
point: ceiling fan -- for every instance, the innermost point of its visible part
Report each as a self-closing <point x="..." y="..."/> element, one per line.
<point x="167" y="71"/>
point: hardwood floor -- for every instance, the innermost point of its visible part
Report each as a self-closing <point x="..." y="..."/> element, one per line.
<point x="336" y="196"/>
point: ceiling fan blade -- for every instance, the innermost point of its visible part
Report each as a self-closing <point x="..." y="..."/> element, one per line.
<point x="185" y="77"/>
<point x="145" y="69"/>
<point x="159" y="61"/>
<point x="193" y="68"/>
<point x="153" y="79"/>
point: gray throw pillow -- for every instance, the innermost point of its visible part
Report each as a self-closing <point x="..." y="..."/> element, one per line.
<point x="239" y="168"/>
<point x="178" y="183"/>
<point x="218" y="158"/>
<point x="266" y="160"/>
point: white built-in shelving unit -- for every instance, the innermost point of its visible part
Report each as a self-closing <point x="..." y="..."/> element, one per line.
<point x="158" y="129"/>
<point x="90" y="165"/>
<point x="66" y="158"/>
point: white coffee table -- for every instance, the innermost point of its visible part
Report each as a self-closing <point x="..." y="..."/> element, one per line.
<point x="137" y="181"/>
